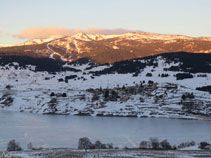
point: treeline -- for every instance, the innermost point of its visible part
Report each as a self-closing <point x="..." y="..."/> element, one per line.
<point x="189" y="62"/>
<point x="41" y="64"/>
<point x="85" y="143"/>
<point x="204" y="88"/>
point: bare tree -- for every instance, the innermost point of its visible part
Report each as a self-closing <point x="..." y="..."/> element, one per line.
<point x="84" y="143"/>
<point x="13" y="146"/>
<point x="165" y="145"/>
<point x="144" y="145"/>
<point x="98" y="144"/>
<point x="155" y="143"/>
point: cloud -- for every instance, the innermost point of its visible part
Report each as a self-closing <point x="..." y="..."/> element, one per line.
<point x="46" y="32"/>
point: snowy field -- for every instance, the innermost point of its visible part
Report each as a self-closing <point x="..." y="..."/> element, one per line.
<point x="66" y="153"/>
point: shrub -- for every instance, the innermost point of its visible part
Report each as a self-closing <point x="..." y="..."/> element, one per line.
<point x="203" y="145"/>
<point x="84" y="143"/>
<point x="70" y="77"/>
<point x="165" y="145"/>
<point x="52" y="94"/>
<point x="61" y="80"/>
<point x="144" y="145"/>
<point x="52" y="104"/>
<point x="8" y="87"/>
<point x="98" y="145"/>
<point x="202" y="75"/>
<point x="110" y="146"/>
<point x="103" y="146"/>
<point x="188" y="95"/>
<point x="164" y="75"/>
<point x="13" y="146"/>
<point x="64" y="95"/>
<point x="114" y="94"/>
<point x="123" y="87"/>
<point x="183" y="97"/>
<point x="149" y="75"/>
<point x="154" y="143"/>
<point x="186" y="144"/>
<point x="106" y="94"/>
<point x="150" y="82"/>
<point x="95" y="97"/>
<point x="8" y="101"/>
<point x="181" y="76"/>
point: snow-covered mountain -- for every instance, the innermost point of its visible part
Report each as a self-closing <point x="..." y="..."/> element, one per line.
<point x="173" y="85"/>
<point x="5" y="45"/>
<point x="36" y="41"/>
<point x="109" y="75"/>
<point x="109" y="48"/>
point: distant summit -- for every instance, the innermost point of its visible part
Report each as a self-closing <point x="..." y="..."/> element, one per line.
<point x="108" y="48"/>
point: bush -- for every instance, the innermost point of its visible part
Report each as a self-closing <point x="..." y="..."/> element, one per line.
<point x="114" y="94"/>
<point x="13" y="146"/>
<point x="70" y="77"/>
<point x="150" y="82"/>
<point x="203" y="145"/>
<point x="8" y="101"/>
<point x="149" y="75"/>
<point x="186" y="144"/>
<point x="188" y="95"/>
<point x="8" y="87"/>
<point x="181" y="76"/>
<point x="202" y="75"/>
<point x="64" y="95"/>
<point x="84" y="143"/>
<point x="95" y="97"/>
<point x="155" y="143"/>
<point x="106" y="94"/>
<point x="164" y="75"/>
<point x="98" y="145"/>
<point x="165" y="145"/>
<point x="144" y="145"/>
<point x="110" y="146"/>
<point x="52" y="94"/>
<point x="60" y="80"/>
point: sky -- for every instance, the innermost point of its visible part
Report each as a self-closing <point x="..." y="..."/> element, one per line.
<point x="27" y="19"/>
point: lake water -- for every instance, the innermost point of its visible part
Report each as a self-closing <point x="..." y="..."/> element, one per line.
<point x="64" y="131"/>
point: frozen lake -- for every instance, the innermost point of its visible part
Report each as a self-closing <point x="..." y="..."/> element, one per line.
<point x="64" y="131"/>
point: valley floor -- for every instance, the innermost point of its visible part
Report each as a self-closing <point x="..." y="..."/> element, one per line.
<point x="122" y="153"/>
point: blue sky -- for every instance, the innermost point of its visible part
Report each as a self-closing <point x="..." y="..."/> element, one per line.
<point x="187" y="17"/>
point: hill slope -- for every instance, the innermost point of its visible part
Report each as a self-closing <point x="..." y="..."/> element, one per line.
<point x="173" y="85"/>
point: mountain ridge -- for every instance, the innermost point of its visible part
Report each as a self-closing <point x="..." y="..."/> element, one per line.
<point x="109" y="48"/>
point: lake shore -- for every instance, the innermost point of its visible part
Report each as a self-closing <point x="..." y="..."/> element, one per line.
<point x="117" y="153"/>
